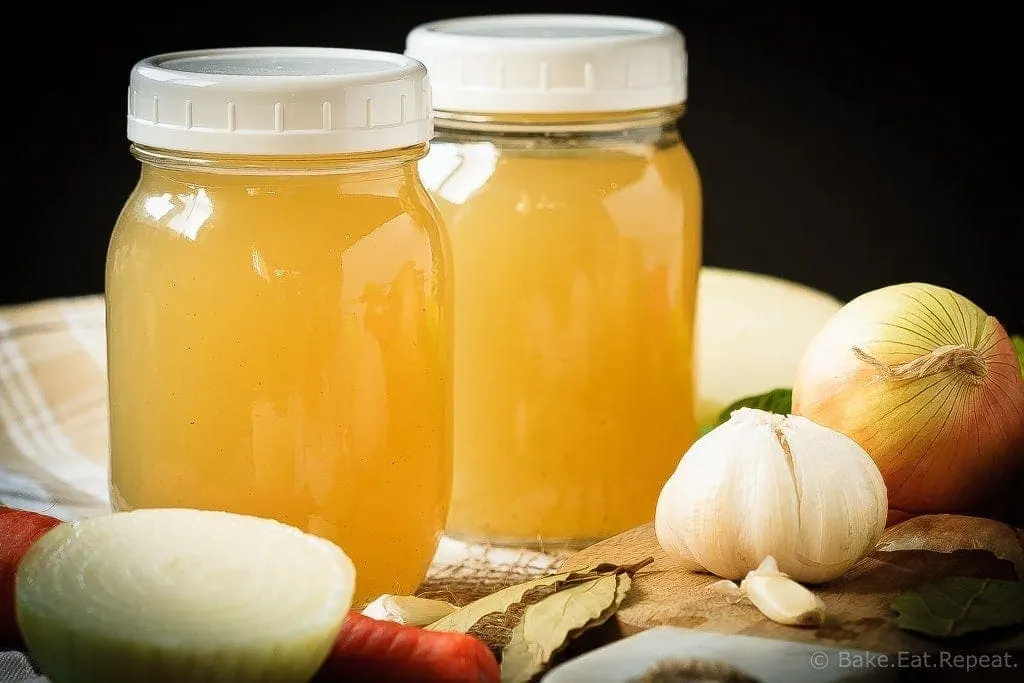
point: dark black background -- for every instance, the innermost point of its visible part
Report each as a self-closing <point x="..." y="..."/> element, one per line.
<point x="847" y="147"/>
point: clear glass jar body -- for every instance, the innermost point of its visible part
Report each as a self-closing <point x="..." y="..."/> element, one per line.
<point x="279" y="344"/>
<point x="577" y="246"/>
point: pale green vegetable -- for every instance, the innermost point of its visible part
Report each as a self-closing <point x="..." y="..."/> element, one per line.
<point x="752" y="330"/>
<point x="162" y="596"/>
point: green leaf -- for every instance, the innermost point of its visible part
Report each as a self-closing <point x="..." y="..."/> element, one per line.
<point x="705" y="428"/>
<point x="775" y="401"/>
<point x="958" y="605"/>
<point x="1018" y="344"/>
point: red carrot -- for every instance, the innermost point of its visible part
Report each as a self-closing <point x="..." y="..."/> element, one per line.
<point x="385" y="652"/>
<point x="18" y="530"/>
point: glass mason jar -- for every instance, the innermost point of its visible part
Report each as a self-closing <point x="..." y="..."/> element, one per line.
<point x="575" y="216"/>
<point x="278" y="302"/>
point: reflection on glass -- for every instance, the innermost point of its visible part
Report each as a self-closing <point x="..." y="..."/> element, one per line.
<point x="195" y="210"/>
<point x="455" y="173"/>
<point x="159" y="205"/>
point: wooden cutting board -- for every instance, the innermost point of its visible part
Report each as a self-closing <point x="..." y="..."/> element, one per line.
<point x="858" y="604"/>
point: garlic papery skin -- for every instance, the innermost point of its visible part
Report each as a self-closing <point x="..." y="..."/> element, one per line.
<point x="764" y="484"/>
<point x="408" y="610"/>
<point x="780" y="598"/>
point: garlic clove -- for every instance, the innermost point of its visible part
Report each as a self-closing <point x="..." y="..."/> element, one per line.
<point x="408" y="610"/>
<point x="780" y="598"/>
<point x="859" y="522"/>
<point x="769" y="567"/>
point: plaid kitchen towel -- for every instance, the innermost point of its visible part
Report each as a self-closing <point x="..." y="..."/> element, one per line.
<point x="53" y="407"/>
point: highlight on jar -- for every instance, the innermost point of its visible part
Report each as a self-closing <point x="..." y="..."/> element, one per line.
<point x="574" y="210"/>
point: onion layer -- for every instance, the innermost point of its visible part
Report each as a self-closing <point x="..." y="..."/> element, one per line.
<point x="929" y="385"/>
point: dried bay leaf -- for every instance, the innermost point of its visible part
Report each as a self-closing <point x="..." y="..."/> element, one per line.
<point x="496" y="628"/>
<point x="949" y="533"/>
<point x="549" y="624"/>
<point x="527" y="624"/>
<point x="501" y="601"/>
<point x="958" y="605"/>
<point x="464" y="618"/>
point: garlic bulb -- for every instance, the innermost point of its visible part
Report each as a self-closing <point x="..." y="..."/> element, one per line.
<point x="764" y="485"/>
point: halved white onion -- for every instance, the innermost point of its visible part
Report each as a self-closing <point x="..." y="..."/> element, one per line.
<point x="181" y="595"/>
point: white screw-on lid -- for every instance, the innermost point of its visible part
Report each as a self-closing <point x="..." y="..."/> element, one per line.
<point x="549" y="63"/>
<point x="279" y="101"/>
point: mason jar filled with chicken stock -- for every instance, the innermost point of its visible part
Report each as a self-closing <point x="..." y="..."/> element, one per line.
<point x="278" y="302"/>
<point x="574" y="211"/>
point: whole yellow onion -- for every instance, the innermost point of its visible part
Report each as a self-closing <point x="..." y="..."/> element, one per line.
<point x="929" y="385"/>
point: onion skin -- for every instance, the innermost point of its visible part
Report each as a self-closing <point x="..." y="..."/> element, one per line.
<point x="948" y="442"/>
